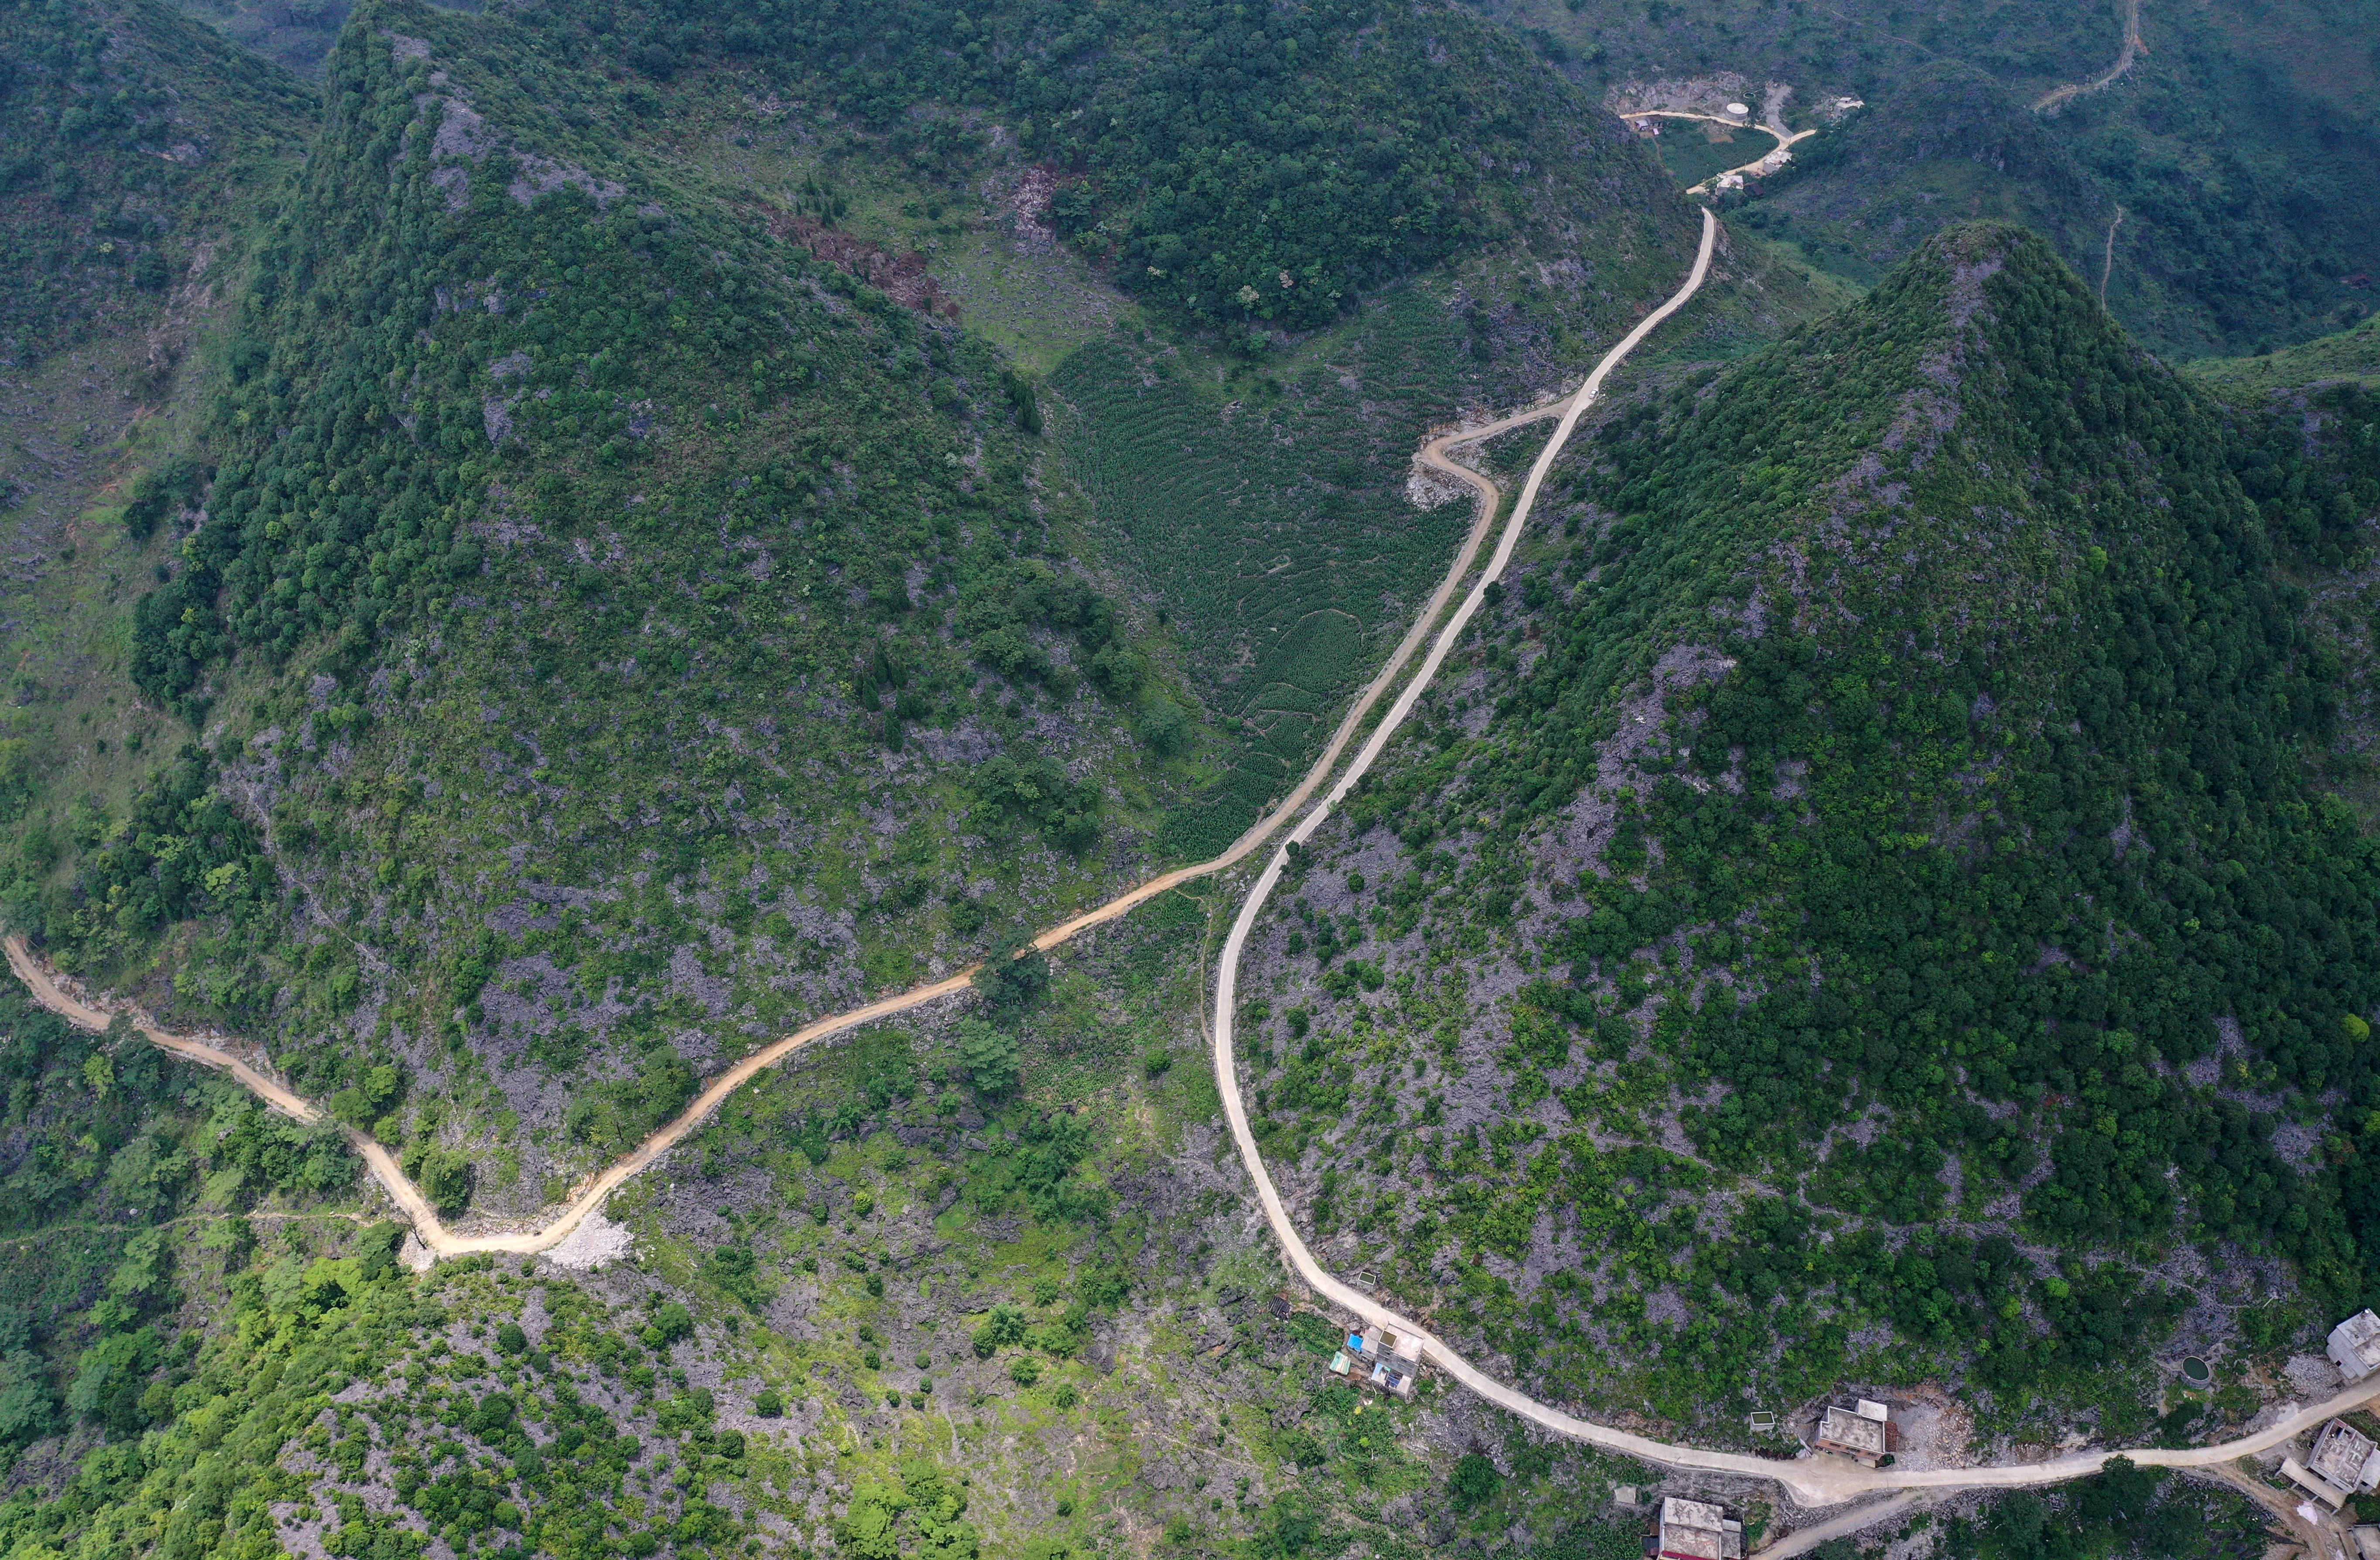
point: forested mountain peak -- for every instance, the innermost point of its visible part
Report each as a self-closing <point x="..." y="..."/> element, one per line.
<point x="1900" y="767"/>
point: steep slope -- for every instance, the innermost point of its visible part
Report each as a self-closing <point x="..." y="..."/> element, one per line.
<point x="133" y="146"/>
<point x="567" y="537"/>
<point x="1281" y="165"/>
<point x="1239" y="170"/>
<point x="1947" y="143"/>
<point x="295" y="34"/>
<point x="1866" y="902"/>
<point x="132" y="136"/>
<point x="2248" y="253"/>
<point x="622" y="614"/>
<point x="2350" y="355"/>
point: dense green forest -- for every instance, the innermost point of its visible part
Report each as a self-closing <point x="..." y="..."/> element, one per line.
<point x="1976" y="880"/>
<point x="1241" y="168"/>
<point x="123" y="128"/>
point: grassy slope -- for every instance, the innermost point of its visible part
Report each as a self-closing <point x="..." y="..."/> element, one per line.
<point x="2350" y="355"/>
<point x="679" y="676"/>
<point x="140" y="145"/>
<point x="1799" y="715"/>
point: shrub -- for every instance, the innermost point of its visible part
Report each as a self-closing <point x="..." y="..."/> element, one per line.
<point x="671" y="1324"/>
<point x="1473" y="1482"/>
<point x="1004" y="1327"/>
<point x="1015" y="976"/>
<point x="989" y="1055"/>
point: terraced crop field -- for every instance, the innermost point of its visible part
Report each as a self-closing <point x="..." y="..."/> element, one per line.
<point x="1265" y="511"/>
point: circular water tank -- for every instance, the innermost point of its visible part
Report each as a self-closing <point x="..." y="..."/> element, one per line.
<point x="2194" y="1371"/>
<point x="1738" y="110"/>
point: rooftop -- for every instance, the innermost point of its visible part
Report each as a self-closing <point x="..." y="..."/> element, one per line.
<point x="1847" y="1427"/>
<point x="1693" y="1529"/>
<point x="2355" y="1344"/>
<point x="2339" y="1454"/>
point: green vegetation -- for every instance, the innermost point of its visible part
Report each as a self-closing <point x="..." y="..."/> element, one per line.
<point x="594" y="584"/>
<point x="1241" y="169"/>
<point x="593" y="604"/>
<point x="2007" y="632"/>
<point x="1275" y="534"/>
<point x="702" y="565"/>
<point x="1861" y="196"/>
<point x="2124" y="1511"/>
<point x="114" y="1157"/>
<point x="106" y="192"/>
<point x="2352" y="354"/>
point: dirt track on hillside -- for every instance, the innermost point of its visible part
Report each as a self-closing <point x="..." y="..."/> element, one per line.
<point x="2132" y="50"/>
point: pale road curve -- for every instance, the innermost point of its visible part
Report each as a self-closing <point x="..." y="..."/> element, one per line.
<point x="1785" y="140"/>
<point x="1812" y="1481"/>
<point x="2108" y="263"/>
<point x="2132" y="50"/>
<point x="1842" y="1524"/>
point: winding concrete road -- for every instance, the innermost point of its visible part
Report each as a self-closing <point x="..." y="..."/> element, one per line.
<point x="1815" y="1480"/>
<point x="591" y="1194"/>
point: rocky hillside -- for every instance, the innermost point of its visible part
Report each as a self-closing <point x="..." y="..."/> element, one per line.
<point x="1868" y="910"/>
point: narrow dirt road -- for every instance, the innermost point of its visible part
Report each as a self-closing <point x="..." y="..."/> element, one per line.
<point x="591" y="1194"/>
<point x="2132" y="50"/>
<point x="2107" y="261"/>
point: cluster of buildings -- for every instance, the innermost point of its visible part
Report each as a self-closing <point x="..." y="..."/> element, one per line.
<point x="1382" y="1360"/>
<point x="2345" y="1462"/>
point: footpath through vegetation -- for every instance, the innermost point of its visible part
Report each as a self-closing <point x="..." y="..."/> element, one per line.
<point x="2132" y="50"/>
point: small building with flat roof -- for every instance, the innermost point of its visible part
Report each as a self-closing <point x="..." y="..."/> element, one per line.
<point x="2345" y="1459"/>
<point x="1695" y="1530"/>
<point x="1864" y="1432"/>
<point x="2355" y="1346"/>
